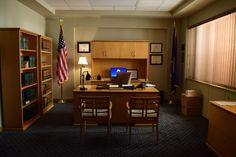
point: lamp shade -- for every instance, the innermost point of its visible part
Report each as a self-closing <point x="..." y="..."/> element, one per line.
<point x="82" y="61"/>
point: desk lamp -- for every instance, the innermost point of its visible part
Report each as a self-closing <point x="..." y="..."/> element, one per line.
<point x="83" y="61"/>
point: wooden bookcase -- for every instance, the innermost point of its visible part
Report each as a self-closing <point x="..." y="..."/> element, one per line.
<point x="46" y="73"/>
<point x="19" y="76"/>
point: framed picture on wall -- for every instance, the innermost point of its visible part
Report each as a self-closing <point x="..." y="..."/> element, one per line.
<point x="155" y="47"/>
<point x="156" y="59"/>
<point x="83" y="47"/>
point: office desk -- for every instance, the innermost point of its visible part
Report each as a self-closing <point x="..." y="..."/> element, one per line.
<point x="119" y="97"/>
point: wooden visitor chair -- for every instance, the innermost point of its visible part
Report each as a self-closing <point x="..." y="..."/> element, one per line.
<point x="95" y="109"/>
<point x="143" y="110"/>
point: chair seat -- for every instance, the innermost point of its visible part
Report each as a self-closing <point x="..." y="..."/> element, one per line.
<point x="139" y="113"/>
<point x="92" y="113"/>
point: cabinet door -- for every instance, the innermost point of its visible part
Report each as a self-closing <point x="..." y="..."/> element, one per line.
<point x="98" y="49"/>
<point x="141" y="49"/>
<point x="105" y="49"/>
<point x="112" y="49"/>
<point x="133" y="50"/>
<point x="127" y="49"/>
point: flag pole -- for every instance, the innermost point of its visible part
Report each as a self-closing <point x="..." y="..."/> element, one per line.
<point x="61" y="101"/>
<point x="62" y="76"/>
<point x="174" y="67"/>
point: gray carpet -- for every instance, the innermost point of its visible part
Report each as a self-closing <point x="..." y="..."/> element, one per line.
<point x="54" y="135"/>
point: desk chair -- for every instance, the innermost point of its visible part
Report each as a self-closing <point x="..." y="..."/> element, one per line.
<point x="143" y="110"/>
<point x="95" y="109"/>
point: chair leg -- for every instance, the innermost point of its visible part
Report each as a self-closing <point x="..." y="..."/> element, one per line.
<point x="157" y="132"/>
<point x="81" y="131"/>
<point x="152" y="127"/>
<point x="130" y="132"/>
<point x="109" y="130"/>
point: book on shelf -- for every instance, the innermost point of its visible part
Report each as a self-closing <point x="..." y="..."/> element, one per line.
<point x="24" y="42"/>
<point x="45" y="46"/>
<point x="46" y="74"/>
<point x="30" y="111"/>
<point x="45" y="88"/>
<point x="27" y="61"/>
<point x="46" y="101"/>
<point x="28" y="95"/>
<point x="27" y="78"/>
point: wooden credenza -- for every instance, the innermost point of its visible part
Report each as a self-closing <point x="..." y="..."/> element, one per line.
<point x="119" y="97"/>
<point x="222" y="128"/>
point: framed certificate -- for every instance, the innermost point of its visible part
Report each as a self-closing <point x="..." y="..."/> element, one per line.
<point x="155" y="47"/>
<point x="83" y="47"/>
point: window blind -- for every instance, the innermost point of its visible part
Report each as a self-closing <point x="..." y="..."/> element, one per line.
<point x="212" y="52"/>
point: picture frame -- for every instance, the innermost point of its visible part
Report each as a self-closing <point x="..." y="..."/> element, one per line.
<point x="156" y="47"/>
<point x="134" y="73"/>
<point x="156" y="59"/>
<point x="83" y="47"/>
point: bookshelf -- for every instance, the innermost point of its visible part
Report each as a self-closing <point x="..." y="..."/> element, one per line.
<point x="19" y="76"/>
<point x="46" y="81"/>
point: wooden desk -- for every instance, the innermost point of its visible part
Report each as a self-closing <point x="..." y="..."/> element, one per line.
<point x="222" y="128"/>
<point x="119" y="97"/>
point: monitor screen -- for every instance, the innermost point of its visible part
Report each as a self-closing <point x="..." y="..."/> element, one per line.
<point x="115" y="70"/>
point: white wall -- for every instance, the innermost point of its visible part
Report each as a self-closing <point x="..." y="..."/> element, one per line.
<point x="208" y="92"/>
<point x="111" y="28"/>
<point x="15" y="14"/>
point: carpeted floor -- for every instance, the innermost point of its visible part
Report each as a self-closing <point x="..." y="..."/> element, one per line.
<point x="54" y="135"/>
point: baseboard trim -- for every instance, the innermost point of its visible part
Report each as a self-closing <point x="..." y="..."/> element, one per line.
<point x="213" y="149"/>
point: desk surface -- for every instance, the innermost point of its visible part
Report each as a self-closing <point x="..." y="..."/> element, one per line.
<point x="92" y="88"/>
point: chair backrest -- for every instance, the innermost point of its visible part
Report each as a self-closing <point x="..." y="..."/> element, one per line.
<point x="95" y="107"/>
<point x="144" y="107"/>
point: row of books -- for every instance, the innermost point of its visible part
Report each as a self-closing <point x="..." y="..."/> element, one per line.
<point x="44" y="60"/>
<point x="46" y="101"/>
<point x="30" y="111"/>
<point x="24" y="42"/>
<point x="45" y="45"/>
<point x="46" y="74"/>
<point x="28" y="95"/>
<point x="27" y="61"/>
<point x="46" y="88"/>
<point x="27" y="78"/>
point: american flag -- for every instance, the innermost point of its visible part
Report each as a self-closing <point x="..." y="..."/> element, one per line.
<point x="62" y="69"/>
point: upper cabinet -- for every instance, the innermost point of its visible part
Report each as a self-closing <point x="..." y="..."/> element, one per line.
<point x="120" y="49"/>
<point x="134" y="49"/>
<point x="108" y="49"/>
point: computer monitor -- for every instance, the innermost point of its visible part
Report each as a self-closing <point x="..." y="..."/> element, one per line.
<point x="123" y="78"/>
<point x="115" y="70"/>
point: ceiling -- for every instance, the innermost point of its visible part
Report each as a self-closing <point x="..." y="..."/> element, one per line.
<point x="143" y="5"/>
<point x="144" y="8"/>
